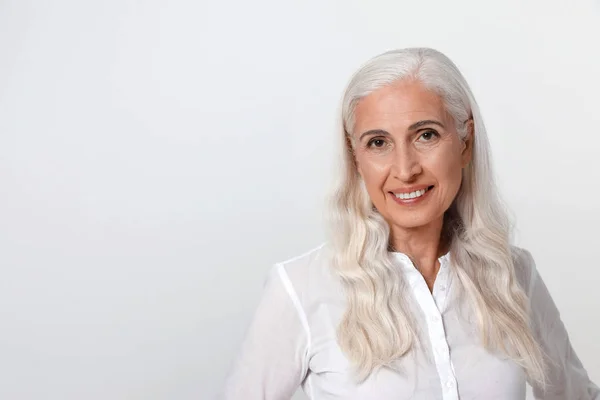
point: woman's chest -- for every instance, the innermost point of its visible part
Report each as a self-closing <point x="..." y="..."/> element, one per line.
<point x="448" y="363"/>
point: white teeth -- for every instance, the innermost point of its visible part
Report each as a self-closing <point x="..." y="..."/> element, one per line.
<point x="411" y="195"/>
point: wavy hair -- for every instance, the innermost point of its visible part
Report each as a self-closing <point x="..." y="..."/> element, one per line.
<point x="378" y="327"/>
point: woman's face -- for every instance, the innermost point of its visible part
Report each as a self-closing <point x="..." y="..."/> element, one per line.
<point x="409" y="153"/>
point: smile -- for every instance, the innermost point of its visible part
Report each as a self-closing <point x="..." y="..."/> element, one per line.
<point x="412" y="195"/>
<point x="412" y="198"/>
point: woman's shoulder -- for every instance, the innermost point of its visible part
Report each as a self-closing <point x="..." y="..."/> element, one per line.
<point x="304" y="266"/>
<point x="525" y="269"/>
<point x="306" y="259"/>
<point x="308" y="275"/>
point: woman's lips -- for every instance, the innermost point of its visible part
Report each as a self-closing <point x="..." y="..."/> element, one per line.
<point x="411" y="198"/>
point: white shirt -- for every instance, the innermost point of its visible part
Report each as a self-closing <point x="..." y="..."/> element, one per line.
<point x="291" y="342"/>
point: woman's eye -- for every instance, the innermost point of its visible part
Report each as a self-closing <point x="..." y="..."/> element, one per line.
<point x="428" y="135"/>
<point x="376" y="143"/>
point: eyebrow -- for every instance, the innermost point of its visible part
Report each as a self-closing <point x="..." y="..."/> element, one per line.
<point x="413" y="127"/>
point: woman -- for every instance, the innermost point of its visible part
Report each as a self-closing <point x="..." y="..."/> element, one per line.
<point x="418" y="294"/>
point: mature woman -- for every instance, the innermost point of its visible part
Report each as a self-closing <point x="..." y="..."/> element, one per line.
<point x="418" y="294"/>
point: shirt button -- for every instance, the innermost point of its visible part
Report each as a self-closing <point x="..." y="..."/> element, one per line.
<point x="442" y="288"/>
<point x="449" y="384"/>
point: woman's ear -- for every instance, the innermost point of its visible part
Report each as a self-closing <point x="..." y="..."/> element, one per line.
<point x="467" y="151"/>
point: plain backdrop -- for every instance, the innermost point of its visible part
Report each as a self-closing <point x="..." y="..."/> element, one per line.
<point x="157" y="157"/>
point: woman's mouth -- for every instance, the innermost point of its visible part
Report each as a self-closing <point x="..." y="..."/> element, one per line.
<point x="411" y="197"/>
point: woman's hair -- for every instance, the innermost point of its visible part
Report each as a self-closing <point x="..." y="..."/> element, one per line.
<point x="377" y="327"/>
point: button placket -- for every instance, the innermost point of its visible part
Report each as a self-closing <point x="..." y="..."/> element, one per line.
<point x="432" y="305"/>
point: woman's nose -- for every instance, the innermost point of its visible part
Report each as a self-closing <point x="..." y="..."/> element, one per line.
<point x="406" y="164"/>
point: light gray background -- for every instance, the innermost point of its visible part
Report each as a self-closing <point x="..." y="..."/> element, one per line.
<point x="157" y="157"/>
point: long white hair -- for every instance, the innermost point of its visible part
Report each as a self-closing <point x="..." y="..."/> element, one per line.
<point x="377" y="327"/>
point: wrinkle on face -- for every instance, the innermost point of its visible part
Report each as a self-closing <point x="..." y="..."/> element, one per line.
<point x="397" y="155"/>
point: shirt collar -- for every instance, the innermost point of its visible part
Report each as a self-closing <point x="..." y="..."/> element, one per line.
<point x="407" y="263"/>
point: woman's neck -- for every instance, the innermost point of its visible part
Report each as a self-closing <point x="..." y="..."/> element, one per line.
<point x="424" y="245"/>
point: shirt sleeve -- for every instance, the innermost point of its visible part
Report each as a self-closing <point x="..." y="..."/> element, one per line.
<point x="271" y="362"/>
<point x="566" y="376"/>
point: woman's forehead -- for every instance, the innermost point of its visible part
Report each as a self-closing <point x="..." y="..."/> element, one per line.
<point x="399" y="104"/>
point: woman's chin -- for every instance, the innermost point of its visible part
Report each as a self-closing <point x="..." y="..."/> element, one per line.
<point x="413" y="222"/>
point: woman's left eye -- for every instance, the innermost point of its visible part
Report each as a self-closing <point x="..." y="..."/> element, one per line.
<point x="428" y="135"/>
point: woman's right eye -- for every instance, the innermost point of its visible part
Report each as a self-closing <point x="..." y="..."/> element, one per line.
<point x="376" y="142"/>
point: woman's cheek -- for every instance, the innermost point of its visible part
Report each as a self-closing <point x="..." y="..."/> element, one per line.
<point x="373" y="169"/>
